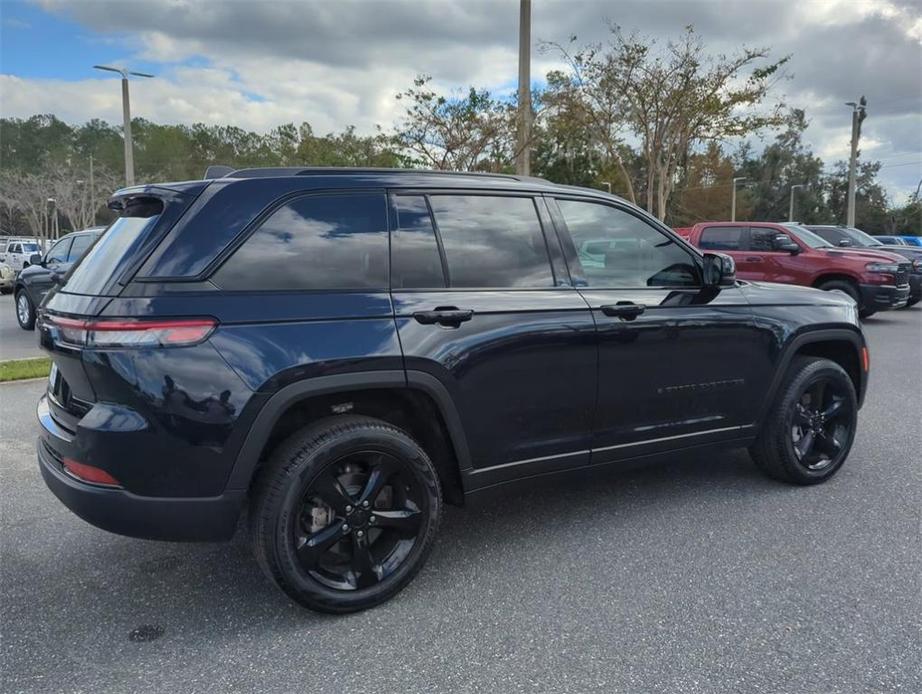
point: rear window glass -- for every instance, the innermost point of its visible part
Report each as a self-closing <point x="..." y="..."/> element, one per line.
<point x="492" y="241"/>
<point x="721" y="238"/>
<point x="115" y="249"/>
<point x="314" y="242"/>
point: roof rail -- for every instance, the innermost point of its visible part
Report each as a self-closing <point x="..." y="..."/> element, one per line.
<point x="347" y="170"/>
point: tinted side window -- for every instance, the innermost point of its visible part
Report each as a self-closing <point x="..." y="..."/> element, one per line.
<point x="492" y="241"/>
<point x="81" y="243"/>
<point x="619" y="250"/>
<point x="58" y="252"/>
<point x="762" y="239"/>
<point x="415" y="258"/>
<point x="721" y="238"/>
<point x="834" y="236"/>
<point x="314" y="242"/>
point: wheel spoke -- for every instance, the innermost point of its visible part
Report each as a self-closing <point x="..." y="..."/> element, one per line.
<point x="328" y="488"/>
<point x="381" y="470"/>
<point x="835" y="409"/>
<point x="801" y="416"/>
<point x="365" y="572"/>
<point x="405" y="522"/>
<point x="317" y="544"/>
<point x="826" y="443"/>
<point x="818" y="396"/>
<point x="804" y="445"/>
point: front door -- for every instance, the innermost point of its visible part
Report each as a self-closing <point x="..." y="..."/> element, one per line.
<point x="484" y="304"/>
<point x="675" y="357"/>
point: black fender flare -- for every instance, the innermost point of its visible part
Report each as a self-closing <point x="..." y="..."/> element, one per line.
<point x="258" y="435"/>
<point x="810" y="337"/>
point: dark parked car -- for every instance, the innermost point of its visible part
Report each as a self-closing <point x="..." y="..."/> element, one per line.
<point x="43" y="271"/>
<point x="849" y="237"/>
<point x="342" y="351"/>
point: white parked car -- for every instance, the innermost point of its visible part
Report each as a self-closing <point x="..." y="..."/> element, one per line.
<point x="7" y="278"/>
<point x="17" y="253"/>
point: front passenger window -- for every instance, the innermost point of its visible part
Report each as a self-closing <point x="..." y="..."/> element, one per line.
<point x="618" y="250"/>
<point x="58" y="252"/>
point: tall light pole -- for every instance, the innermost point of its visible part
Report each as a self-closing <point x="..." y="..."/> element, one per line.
<point x="733" y="198"/>
<point x="791" y="206"/>
<point x="523" y="144"/>
<point x="126" y="119"/>
<point x="859" y="113"/>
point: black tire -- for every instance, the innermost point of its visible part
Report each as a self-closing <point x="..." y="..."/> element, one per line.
<point x="850" y="289"/>
<point x="27" y="323"/>
<point x="913" y="302"/>
<point x="326" y="458"/>
<point x="780" y="451"/>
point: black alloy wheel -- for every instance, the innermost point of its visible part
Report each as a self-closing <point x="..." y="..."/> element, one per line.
<point x="810" y="427"/>
<point x="358" y="521"/>
<point x="344" y="513"/>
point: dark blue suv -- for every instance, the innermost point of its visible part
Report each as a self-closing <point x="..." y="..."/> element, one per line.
<point x="340" y="351"/>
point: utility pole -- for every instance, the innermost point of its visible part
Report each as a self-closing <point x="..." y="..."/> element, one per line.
<point x="92" y="194"/>
<point x="791" y="206"/>
<point x="523" y="141"/>
<point x="733" y="198"/>
<point x="126" y="119"/>
<point x="859" y="113"/>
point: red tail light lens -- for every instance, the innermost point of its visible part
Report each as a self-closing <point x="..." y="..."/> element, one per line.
<point x="88" y="473"/>
<point x="132" y="333"/>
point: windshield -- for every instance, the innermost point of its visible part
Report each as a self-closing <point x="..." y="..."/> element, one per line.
<point x="808" y="237"/>
<point x="861" y="238"/>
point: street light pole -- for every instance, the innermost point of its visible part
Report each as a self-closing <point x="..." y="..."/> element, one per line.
<point x="126" y="119"/>
<point x="791" y="206"/>
<point x="523" y="155"/>
<point x="733" y="198"/>
<point x="859" y="113"/>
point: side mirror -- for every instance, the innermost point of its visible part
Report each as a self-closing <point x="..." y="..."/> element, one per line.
<point x="783" y="242"/>
<point x="719" y="270"/>
<point x="35" y="259"/>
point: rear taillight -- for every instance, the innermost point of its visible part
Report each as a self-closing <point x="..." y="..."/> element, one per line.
<point x="88" y="473"/>
<point x="179" y="332"/>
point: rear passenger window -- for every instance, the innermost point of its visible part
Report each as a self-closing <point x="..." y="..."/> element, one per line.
<point x="492" y="241"/>
<point x="415" y="259"/>
<point x="721" y="238"/>
<point x="314" y="242"/>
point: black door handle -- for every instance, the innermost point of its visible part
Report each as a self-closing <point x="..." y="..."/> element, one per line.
<point x="444" y="315"/>
<point x="623" y="309"/>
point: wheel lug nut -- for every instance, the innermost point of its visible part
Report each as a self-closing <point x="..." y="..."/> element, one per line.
<point x="371" y="520"/>
<point x="365" y="504"/>
<point x="359" y="533"/>
<point x="348" y="509"/>
<point x="345" y="527"/>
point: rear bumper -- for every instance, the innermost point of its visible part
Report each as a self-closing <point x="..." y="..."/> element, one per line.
<point x="120" y="511"/>
<point x="883" y="297"/>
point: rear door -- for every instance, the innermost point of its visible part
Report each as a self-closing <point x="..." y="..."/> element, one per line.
<point x="484" y="305"/>
<point x="675" y="357"/>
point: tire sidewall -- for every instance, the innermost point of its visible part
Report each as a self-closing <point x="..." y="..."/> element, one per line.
<point x="30" y="324"/>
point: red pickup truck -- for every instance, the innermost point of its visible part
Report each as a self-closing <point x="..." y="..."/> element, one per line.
<point x="792" y="254"/>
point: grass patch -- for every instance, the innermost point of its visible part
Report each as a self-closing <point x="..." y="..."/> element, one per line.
<point x="18" y="369"/>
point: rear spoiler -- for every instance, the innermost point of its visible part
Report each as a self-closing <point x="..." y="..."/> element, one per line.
<point x="217" y="171"/>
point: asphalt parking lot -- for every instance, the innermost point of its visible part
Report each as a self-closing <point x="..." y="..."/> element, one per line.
<point x="697" y="575"/>
<point x="15" y="343"/>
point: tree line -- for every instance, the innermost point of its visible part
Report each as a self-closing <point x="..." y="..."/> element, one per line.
<point x="666" y="126"/>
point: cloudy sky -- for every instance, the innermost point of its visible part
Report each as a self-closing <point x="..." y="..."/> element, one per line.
<point x="258" y="64"/>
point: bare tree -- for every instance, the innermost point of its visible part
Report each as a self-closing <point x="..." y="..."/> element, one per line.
<point x="77" y="197"/>
<point x="28" y="193"/>
<point x="672" y="100"/>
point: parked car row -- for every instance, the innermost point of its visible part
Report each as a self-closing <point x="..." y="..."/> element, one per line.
<point x="875" y="278"/>
<point x="900" y="240"/>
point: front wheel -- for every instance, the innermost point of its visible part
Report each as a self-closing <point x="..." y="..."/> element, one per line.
<point x="344" y="513"/>
<point x="810" y="428"/>
<point x="851" y="289"/>
<point x="25" y="311"/>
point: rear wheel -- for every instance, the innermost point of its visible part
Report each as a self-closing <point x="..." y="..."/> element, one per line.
<point x="852" y="290"/>
<point x="344" y="513"/>
<point x="25" y="311"/>
<point x="810" y="428"/>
